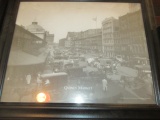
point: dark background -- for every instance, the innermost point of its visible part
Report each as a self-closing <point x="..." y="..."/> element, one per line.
<point x="10" y="111"/>
<point x="156" y="5"/>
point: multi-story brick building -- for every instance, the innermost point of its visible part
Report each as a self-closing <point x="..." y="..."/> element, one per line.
<point x="89" y="40"/>
<point x="49" y="39"/>
<point x="71" y="37"/>
<point x="131" y="40"/>
<point x="109" y="28"/>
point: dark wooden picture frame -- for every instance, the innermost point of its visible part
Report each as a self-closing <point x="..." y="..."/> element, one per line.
<point x="46" y="111"/>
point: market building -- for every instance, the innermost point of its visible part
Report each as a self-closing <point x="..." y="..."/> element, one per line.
<point x="40" y="32"/>
<point x="27" y="55"/>
<point x="37" y="30"/>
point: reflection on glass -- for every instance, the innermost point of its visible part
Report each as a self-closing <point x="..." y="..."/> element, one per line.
<point x="79" y="99"/>
<point x="41" y="97"/>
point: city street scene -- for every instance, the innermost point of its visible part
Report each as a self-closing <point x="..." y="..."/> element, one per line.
<point x="64" y="52"/>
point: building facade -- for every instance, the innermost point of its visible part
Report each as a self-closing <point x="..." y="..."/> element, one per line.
<point x="62" y="42"/>
<point x="131" y="39"/>
<point x="40" y="32"/>
<point x="49" y="38"/>
<point x="92" y="41"/>
<point x="27" y="55"/>
<point x="109" y="29"/>
<point x="70" y="38"/>
<point x="24" y="40"/>
<point x="85" y="41"/>
<point x="36" y="30"/>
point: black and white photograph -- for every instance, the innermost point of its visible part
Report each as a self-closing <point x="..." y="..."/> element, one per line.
<point x="79" y="52"/>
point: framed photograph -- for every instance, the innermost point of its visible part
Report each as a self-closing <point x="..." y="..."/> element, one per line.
<point x="78" y="59"/>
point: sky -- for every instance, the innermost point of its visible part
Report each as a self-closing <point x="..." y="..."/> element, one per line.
<point x="61" y="17"/>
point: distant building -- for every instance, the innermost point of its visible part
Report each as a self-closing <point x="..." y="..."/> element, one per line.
<point x="49" y="38"/>
<point x="62" y="42"/>
<point x="71" y="36"/>
<point x="37" y="30"/>
<point x="91" y="40"/>
<point x="109" y="28"/>
<point x="41" y="33"/>
<point x="86" y="41"/>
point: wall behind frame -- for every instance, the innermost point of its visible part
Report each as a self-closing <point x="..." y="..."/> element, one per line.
<point x="3" y="7"/>
<point x="156" y="6"/>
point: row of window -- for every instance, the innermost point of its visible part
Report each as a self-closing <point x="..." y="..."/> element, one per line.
<point x="109" y="54"/>
<point x="108" y="41"/>
<point x="109" y="48"/>
<point x="132" y="40"/>
<point x="135" y="49"/>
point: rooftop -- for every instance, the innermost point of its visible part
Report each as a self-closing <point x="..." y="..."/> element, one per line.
<point x="34" y="27"/>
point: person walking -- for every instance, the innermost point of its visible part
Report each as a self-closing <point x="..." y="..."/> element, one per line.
<point x="39" y="82"/>
<point x="105" y="84"/>
<point x="28" y="78"/>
